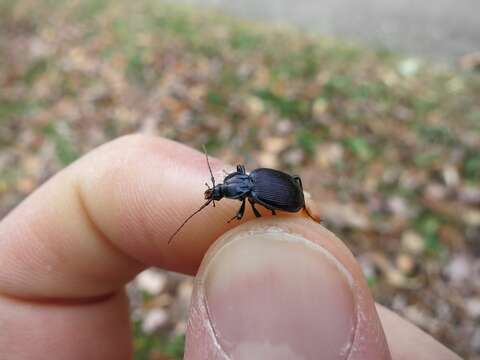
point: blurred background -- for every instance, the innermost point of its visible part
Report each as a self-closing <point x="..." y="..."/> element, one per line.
<point x="376" y="106"/>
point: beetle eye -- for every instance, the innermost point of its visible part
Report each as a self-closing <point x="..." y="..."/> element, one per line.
<point x="208" y="194"/>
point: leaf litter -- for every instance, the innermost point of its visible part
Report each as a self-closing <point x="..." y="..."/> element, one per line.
<point x="389" y="144"/>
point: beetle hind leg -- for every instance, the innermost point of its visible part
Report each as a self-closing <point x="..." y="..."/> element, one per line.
<point x="298" y="180"/>
<point x="254" y="209"/>
<point x="310" y="215"/>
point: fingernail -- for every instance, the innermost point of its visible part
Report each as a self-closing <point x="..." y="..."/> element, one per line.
<point x="275" y="295"/>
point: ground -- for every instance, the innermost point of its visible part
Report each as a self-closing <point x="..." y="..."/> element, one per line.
<point x="389" y="144"/>
<point x="443" y="30"/>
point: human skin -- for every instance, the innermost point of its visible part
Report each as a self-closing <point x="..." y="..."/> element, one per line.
<point x="68" y="250"/>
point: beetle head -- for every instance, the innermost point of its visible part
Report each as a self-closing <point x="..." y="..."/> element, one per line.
<point x="208" y="194"/>
<point x="214" y="193"/>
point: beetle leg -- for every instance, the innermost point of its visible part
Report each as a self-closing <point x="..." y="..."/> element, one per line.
<point x="240" y="212"/>
<point x="255" y="211"/>
<point x="241" y="169"/>
<point x="299" y="181"/>
<point x="273" y="212"/>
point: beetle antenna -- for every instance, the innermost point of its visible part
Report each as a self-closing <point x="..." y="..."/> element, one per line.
<point x="210" y="169"/>
<point x="188" y="218"/>
<point x="208" y="163"/>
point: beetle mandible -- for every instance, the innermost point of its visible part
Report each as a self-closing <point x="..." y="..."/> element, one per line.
<point x="273" y="189"/>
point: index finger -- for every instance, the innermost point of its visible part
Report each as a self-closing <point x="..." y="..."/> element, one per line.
<point x="93" y="226"/>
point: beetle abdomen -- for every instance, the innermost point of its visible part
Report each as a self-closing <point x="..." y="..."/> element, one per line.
<point x="276" y="189"/>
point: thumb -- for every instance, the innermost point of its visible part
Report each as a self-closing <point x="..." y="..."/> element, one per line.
<point x="282" y="288"/>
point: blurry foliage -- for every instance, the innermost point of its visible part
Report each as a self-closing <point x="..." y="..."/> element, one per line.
<point x="428" y="225"/>
<point x="307" y="140"/>
<point x="11" y="108"/>
<point x="360" y="147"/>
<point x="147" y="347"/>
<point x="436" y="135"/>
<point x="390" y="145"/>
<point x="35" y="70"/>
<point x="471" y="166"/>
<point x="294" y="108"/>
<point x="63" y="147"/>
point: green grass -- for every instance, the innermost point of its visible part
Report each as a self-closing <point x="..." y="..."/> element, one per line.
<point x="9" y="109"/>
<point x="360" y="148"/>
<point x="428" y="225"/>
<point x="285" y="106"/>
<point x="35" y="70"/>
<point x="471" y="166"/>
<point x="308" y="140"/>
<point x="436" y="135"/>
<point x="146" y="345"/>
<point x="64" y="149"/>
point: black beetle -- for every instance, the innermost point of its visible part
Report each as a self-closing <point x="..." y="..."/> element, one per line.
<point x="273" y="189"/>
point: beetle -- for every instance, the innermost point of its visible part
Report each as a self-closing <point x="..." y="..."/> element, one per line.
<point x="273" y="189"/>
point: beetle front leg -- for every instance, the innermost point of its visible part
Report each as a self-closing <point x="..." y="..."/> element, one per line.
<point x="240" y="212"/>
<point x="255" y="211"/>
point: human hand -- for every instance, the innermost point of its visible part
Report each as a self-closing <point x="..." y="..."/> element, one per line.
<point x="275" y="288"/>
